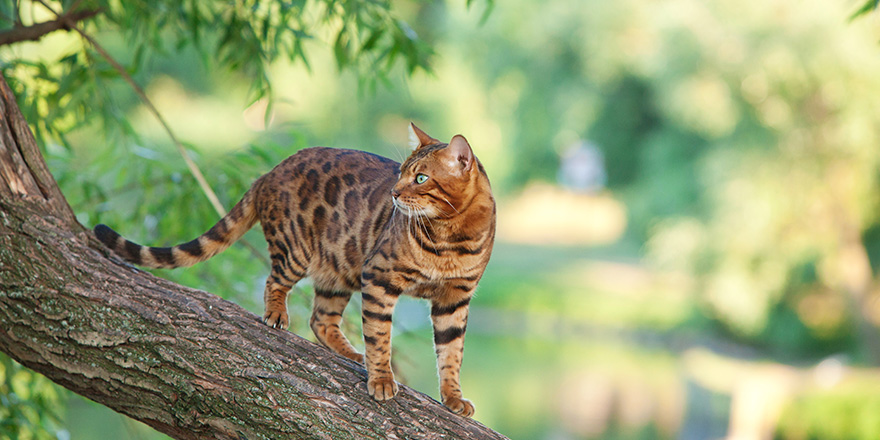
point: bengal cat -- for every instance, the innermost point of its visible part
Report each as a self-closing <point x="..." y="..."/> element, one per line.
<point x="355" y="221"/>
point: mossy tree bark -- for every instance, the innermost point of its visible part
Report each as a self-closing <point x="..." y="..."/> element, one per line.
<point x="183" y="361"/>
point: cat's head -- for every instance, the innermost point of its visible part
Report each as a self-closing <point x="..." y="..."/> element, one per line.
<point x="438" y="180"/>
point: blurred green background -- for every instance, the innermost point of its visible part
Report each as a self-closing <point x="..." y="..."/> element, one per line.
<point x="688" y="230"/>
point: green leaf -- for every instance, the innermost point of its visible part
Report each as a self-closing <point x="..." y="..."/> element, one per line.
<point x="340" y="48"/>
<point x="370" y="43"/>
<point x="868" y="6"/>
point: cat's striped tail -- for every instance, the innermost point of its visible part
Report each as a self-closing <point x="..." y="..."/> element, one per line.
<point x="227" y="231"/>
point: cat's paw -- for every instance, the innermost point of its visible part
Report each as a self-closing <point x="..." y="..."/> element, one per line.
<point x="460" y="406"/>
<point x="357" y="357"/>
<point x="382" y="388"/>
<point x="276" y="319"/>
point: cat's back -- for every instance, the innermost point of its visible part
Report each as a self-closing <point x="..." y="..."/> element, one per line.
<point x="316" y="161"/>
<point x="325" y="172"/>
<point x="325" y="207"/>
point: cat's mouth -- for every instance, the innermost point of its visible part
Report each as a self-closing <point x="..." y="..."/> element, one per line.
<point x="409" y="209"/>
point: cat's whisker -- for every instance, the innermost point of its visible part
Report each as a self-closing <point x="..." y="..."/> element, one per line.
<point x="394" y="211"/>
<point x="450" y="205"/>
<point x="423" y="215"/>
<point x="421" y="225"/>
<point x="444" y="213"/>
<point x="428" y="219"/>
<point x="400" y="156"/>
<point x="410" y="225"/>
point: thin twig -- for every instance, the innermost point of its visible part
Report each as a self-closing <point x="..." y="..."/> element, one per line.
<point x="193" y="168"/>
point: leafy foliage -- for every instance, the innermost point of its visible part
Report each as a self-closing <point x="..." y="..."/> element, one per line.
<point x="75" y="85"/>
<point x="29" y="403"/>
<point x="844" y="414"/>
<point x="736" y="135"/>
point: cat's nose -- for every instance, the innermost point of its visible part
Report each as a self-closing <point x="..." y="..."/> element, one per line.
<point x="395" y="193"/>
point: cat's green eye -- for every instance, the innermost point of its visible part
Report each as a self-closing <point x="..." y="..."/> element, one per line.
<point x="421" y="178"/>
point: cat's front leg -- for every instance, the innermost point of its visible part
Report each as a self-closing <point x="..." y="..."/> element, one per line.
<point x="379" y="299"/>
<point x="449" y="316"/>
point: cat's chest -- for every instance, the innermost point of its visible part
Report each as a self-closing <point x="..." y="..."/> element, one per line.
<point x="427" y="290"/>
<point x="422" y="274"/>
<point x="438" y="260"/>
<point x="437" y="270"/>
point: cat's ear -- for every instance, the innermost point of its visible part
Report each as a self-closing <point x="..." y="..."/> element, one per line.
<point x="418" y="138"/>
<point x="458" y="154"/>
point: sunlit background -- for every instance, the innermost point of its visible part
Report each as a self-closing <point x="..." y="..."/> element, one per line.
<point x="688" y="225"/>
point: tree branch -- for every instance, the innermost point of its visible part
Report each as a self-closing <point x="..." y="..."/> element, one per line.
<point x="183" y="361"/>
<point x="23" y="172"/>
<point x="36" y="31"/>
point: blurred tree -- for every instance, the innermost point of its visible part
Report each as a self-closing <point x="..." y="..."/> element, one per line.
<point x="788" y="171"/>
<point x="740" y="135"/>
<point x="29" y="404"/>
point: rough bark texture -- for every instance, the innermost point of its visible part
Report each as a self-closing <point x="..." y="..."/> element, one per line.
<point x="183" y="361"/>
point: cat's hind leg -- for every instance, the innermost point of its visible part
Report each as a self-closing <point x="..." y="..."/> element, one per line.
<point x="287" y="270"/>
<point x="278" y="285"/>
<point x="326" y="320"/>
<point x="275" y="301"/>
